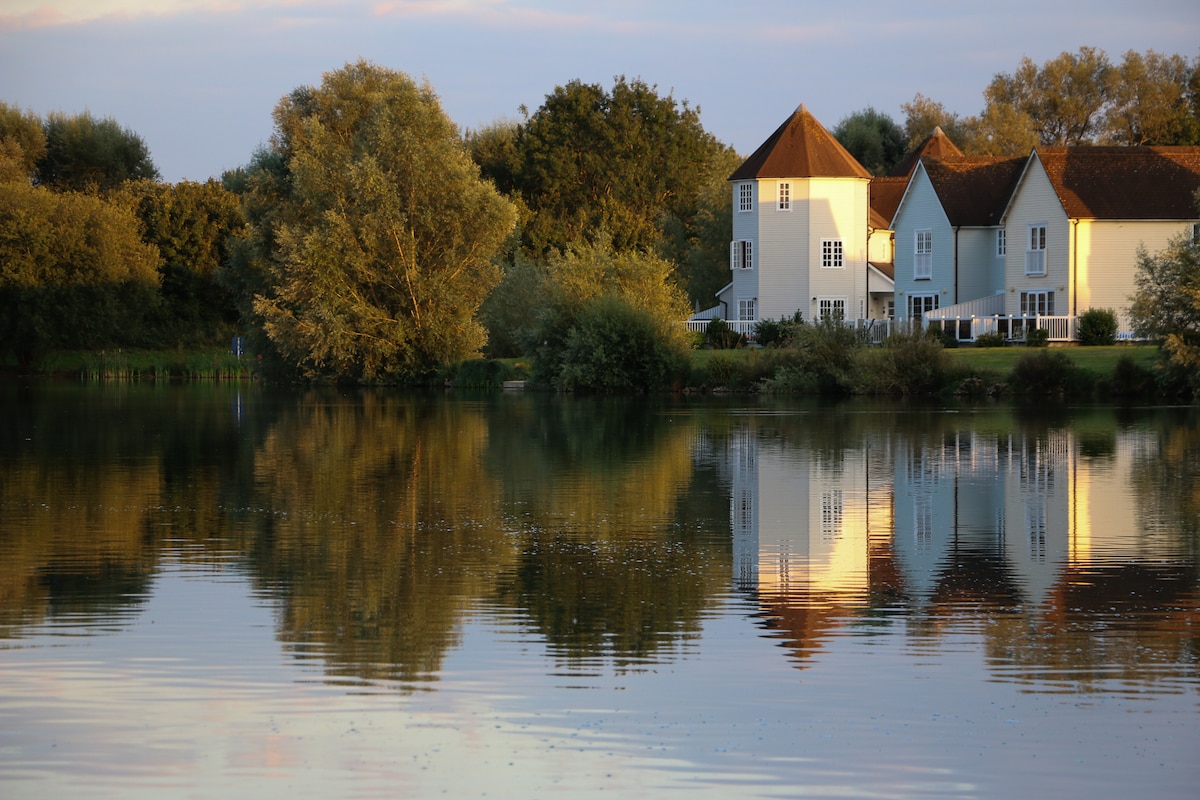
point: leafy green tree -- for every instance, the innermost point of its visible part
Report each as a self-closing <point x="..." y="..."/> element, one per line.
<point x="1065" y="98"/>
<point x="88" y="154"/>
<point x="873" y="138"/>
<point x="1001" y="130"/>
<point x="191" y="224"/>
<point x="22" y="143"/>
<point x="591" y="160"/>
<point x="586" y="272"/>
<point x="1166" y="307"/>
<point x="74" y="272"/>
<point x="922" y="115"/>
<point x="374" y="232"/>
<point x="1151" y="101"/>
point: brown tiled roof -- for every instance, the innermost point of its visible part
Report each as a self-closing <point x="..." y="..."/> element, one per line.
<point x="886" y="267"/>
<point x="1124" y="182"/>
<point x="886" y="194"/>
<point x="974" y="190"/>
<point x="800" y="148"/>
<point x="936" y="145"/>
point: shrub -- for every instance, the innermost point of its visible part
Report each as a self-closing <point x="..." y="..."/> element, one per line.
<point x="719" y="336"/>
<point x="1045" y="373"/>
<point x="1037" y="337"/>
<point x="613" y="347"/>
<point x="1097" y="326"/>
<point x="990" y="339"/>
<point x="825" y="361"/>
<point x="778" y="333"/>
<point x="905" y="365"/>
<point x="480" y="373"/>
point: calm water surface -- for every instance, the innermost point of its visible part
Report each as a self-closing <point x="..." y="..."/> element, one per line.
<point x="215" y="591"/>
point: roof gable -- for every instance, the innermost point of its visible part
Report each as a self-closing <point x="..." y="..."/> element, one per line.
<point x="885" y="199"/>
<point x="974" y="190"/>
<point x="800" y="148"/>
<point x="1151" y="183"/>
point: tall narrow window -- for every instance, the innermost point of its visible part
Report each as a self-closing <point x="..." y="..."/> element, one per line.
<point x="923" y="255"/>
<point x="831" y="254"/>
<point x="747" y="309"/>
<point x="1035" y="252"/>
<point x="785" y="196"/>
<point x="745" y="197"/>
<point x="1001" y="243"/>
<point x="741" y="254"/>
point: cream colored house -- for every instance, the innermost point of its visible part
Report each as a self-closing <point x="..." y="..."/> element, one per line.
<point x="1077" y="217"/>
<point x="801" y="213"/>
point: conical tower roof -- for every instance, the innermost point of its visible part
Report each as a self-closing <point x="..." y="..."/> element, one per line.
<point x="936" y="145"/>
<point x="800" y="148"/>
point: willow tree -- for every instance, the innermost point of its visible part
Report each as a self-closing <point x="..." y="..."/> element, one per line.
<point x="378" y="241"/>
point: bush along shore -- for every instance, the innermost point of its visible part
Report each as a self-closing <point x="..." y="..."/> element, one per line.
<point x="818" y="360"/>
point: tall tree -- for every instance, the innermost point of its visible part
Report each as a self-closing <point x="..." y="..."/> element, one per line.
<point x="592" y="160"/>
<point x="375" y="232"/>
<point x="191" y="224"/>
<point x="74" y="272"/>
<point x="1065" y="98"/>
<point x="873" y="138"/>
<point x="22" y="143"/>
<point x="1151" y="102"/>
<point x="88" y="154"/>
<point x="1166" y="307"/>
<point x="922" y="115"/>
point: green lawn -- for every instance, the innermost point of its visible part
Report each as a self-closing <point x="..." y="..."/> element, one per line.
<point x="1097" y="360"/>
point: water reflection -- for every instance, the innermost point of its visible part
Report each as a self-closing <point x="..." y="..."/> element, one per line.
<point x="1069" y="545"/>
<point x="606" y="531"/>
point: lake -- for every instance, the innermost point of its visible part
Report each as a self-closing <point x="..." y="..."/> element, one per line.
<point x="214" y="590"/>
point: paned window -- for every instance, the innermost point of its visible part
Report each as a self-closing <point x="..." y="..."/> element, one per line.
<point x="745" y="197"/>
<point x="919" y="305"/>
<point x="831" y="254"/>
<point x="747" y="309"/>
<point x="1001" y="242"/>
<point x="1037" y="303"/>
<point x="831" y="308"/>
<point x="923" y="255"/>
<point x="1035" y="252"/>
<point x="741" y="254"/>
<point x="785" y="196"/>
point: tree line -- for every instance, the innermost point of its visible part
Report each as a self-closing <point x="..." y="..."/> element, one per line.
<point x="370" y="239"/>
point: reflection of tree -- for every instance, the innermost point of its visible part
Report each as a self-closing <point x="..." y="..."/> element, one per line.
<point x="378" y="529"/>
<point x="599" y="489"/>
<point x="1166" y="478"/>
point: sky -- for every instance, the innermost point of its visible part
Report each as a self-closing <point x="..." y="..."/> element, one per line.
<point x="198" y="79"/>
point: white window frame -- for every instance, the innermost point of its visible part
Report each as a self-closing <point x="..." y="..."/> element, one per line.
<point x="1001" y="243"/>
<point x="783" y="196"/>
<point x="1037" y="302"/>
<point x="747" y="309"/>
<point x="741" y="254"/>
<point x="745" y="197"/>
<point x="833" y="254"/>
<point x="828" y="306"/>
<point x="921" y="303"/>
<point x="923" y="255"/>
<point x="1035" y="249"/>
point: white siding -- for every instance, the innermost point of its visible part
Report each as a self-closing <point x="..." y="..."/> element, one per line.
<point x="980" y="271"/>
<point x="784" y="237"/>
<point x="746" y="227"/>
<point x="1036" y="202"/>
<point x="1105" y="260"/>
<point x="921" y="209"/>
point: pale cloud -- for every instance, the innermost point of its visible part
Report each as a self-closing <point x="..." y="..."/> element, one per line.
<point x="49" y="13"/>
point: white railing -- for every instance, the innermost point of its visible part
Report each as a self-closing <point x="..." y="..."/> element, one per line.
<point x="980" y="307"/>
<point x="742" y="326"/>
<point x="966" y="328"/>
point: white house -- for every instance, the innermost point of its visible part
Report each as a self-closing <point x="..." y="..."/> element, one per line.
<point x="1078" y="215"/>
<point x="950" y="246"/>
<point x="800" y="229"/>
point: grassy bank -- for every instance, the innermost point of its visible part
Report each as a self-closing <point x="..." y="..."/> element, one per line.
<point x="214" y="363"/>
